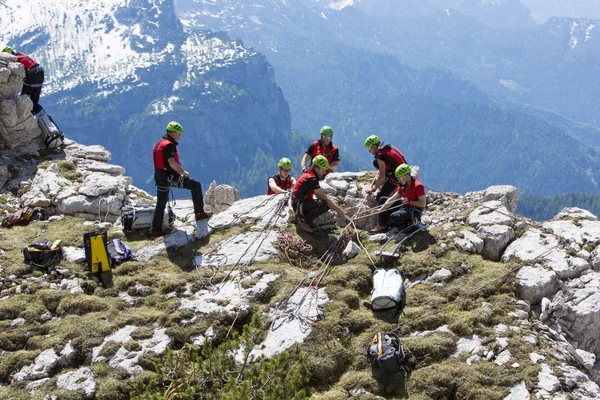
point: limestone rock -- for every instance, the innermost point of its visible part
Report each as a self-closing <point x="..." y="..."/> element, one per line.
<point x="535" y="283"/>
<point x="496" y="239"/>
<point x="351" y="250"/>
<point x="583" y="231"/>
<point x="470" y="242"/>
<point x="220" y="198"/>
<point x="491" y="213"/>
<point x="41" y="367"/>
<point x="518" y="391"/>
<point x="97" y="184"/>
<point x="94" y="152"/>
<point x="45" y="187"/>
<point x="83" y="379"/>
<point x="506" y="194"/>
<point x="576" y="212"/>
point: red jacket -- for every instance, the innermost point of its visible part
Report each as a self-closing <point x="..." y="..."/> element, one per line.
<point x="305" y="187"/>
<point x="164" y="149"/>
<point x="391" y="156"/>
<point x="413" y="192"/>
<point x="27" y="61"/>
<point x="284" y="184"/>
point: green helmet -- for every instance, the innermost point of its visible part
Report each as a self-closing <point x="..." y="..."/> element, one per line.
<point x="321" y="162"/>
<point x="284" y="163"/>
<point x="326" y="130"/>
<point x="402" y="170"/>
<point x="8" y="49"/>
<point x="174" y="127"/>
<point x="371" y="140"/>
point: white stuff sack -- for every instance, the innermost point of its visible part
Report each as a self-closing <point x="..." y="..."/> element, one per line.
<point x="388" y="290"/>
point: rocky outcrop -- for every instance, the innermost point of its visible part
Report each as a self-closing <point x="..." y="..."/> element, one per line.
<point x="18" y="127"/>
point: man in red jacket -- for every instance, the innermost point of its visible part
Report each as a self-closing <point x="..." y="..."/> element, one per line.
<point x="305" y="206"/>
<point x="283" y="181"/>
<point x="323" y="147"/>
<point x="169" y="173"/>
<point x="34" y="77"/>
<point x="408" y="202"/>
<point x="387" y="159"/>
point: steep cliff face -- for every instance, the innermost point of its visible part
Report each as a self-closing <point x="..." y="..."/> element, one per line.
<point x="119" y="71"/>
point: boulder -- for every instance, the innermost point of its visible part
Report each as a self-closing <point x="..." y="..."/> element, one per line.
<point x="41" y="367"/>
<point x="583" y="311"/>
<point x="535" y="283"/>
<point x="95" y="152"/>
<point x="470" y="242"/>
<point x="97" y="184"/>
<point x="45" y="187"/>
<point x="83" y="379"/>
<point x="491" y="213"/>
<point x="102" y="208"/>
<point x="505" y="194"/>
<point x="496" y="238"/>
<point x="220" y="198"/>
<point x="576" y="212"/>
<point x="581" y="232"/>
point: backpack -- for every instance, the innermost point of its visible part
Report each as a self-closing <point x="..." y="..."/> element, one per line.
<point x="53" y="136"/>
<point x="24" y="216"/>
<point x="387" y="354"/>
<point x="43" y="253"/>
<point x="119" y="251"/>
<point x="388" y="290"/>
<point x="141" y="218"/>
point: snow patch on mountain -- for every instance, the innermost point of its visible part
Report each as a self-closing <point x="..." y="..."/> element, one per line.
<point x="88" y="41"/>
<point x="338" y="5"/>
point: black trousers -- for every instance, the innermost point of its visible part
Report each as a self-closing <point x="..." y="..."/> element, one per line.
<point x="32" y="86"/>
<point x="387" y="189"/>
<point x="163" y="185"/>
<point x="401" y="217"/>
<point x="310" y="209"/>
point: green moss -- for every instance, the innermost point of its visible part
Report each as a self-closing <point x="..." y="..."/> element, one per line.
<point x="11" y="363"/>
<point x="143" y="332"/>
<point x="14" y="393"/>
<point x="82" y="304"/>
<point x="458" y="380"/>
<point x="132" y="345"/>
<point x="429" y="349"/>
<point x="109" y="349"/>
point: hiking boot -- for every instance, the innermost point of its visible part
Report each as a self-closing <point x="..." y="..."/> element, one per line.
<point x="379" y="229"/>
<point x="302" y="224"/>
<point x="203" y="215"/>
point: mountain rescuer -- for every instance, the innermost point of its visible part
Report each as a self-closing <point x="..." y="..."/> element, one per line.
<point x="169" y="173"/>
<point x="305" y="206"/>
<point x="410" y="196"/>
<point x="283" y="181"/>
<point x="387" y="159"/>
<point x="323" y="147"/>
<point x="34" y="77"/>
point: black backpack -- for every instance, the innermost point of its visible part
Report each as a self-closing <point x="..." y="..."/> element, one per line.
<point x="387" y="354"/>
<point x="43" y="254"/>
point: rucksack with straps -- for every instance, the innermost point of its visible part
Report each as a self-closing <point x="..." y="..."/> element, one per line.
<point x="134" y="218"/>
<point x="119" y="251"/>
<point x="387" y="354"/>
<point x="24" y="216"/>
<point x="53" y="136"/>
<point x="43" y="253"/>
